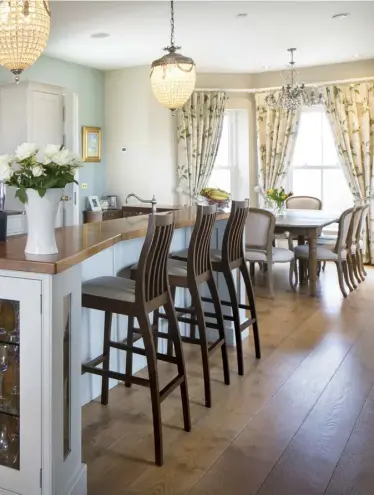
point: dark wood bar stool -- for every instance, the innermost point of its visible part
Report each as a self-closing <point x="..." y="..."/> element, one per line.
<point x="191" y="274"/>
<point x="231" y="257"/>
<point x="136" y="299"/>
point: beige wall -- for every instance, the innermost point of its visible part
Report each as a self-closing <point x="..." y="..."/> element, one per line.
<point x="136" y="121"/>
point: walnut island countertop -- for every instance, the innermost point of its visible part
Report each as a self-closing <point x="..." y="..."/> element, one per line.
<point x="80" y="242"/>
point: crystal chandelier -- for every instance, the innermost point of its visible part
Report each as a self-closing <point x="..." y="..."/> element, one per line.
<point x="24" y="32"/>
<point x="292" y="95"/>
<point x="173" y="76"/>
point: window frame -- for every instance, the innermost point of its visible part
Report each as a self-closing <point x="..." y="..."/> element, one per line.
<point x="331" y="229"/>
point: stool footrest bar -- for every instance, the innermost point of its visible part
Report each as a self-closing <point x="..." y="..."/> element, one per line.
<point x="168" y="389"/>
<point x="116" y="375"/>
<point x="213" y="347"/>
<point x="94" y="362"/>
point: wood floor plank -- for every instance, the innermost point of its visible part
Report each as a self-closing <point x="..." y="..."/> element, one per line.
<point x="354" y="474"/>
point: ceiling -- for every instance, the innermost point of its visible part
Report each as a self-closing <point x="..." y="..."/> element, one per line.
<point x="211" y="33"/>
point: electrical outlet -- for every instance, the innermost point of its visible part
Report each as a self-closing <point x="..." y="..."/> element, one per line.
<point x="84" y="185"/>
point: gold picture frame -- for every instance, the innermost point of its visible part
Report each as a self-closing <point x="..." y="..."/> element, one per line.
<point x="91" y="144"/>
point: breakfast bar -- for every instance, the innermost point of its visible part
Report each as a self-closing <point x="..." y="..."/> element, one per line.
<point x="40" y="431"/>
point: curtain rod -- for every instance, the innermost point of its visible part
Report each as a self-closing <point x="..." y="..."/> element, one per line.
<point x="263" y="90"/>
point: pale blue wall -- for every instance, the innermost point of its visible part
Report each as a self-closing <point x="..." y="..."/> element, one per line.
<point x="88" y="84"/>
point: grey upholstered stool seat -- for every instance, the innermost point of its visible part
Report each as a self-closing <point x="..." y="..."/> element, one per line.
<point x="115" y="288"/>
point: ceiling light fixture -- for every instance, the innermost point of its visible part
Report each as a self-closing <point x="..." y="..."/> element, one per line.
<point x="292" y="95"/>
<point x="100" y="36"/>
<point x="24" y="32"/>
<point x="341" y="16"/>
<point x="242" y="14"/>
<point x="173" y="76"/>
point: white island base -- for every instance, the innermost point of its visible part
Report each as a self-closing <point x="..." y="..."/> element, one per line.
<point x="55" y="337"/>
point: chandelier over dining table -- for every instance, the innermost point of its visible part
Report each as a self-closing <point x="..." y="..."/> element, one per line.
<point x="292" y="95"/>
<point x="24" y="32"/>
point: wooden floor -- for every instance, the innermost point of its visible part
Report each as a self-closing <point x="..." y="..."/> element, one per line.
<point x="300" y="422"/>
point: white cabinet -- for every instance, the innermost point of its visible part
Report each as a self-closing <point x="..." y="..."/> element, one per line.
<point x="21" y="402"/>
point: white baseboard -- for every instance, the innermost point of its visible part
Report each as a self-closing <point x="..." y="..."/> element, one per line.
<point x="79" y="484"/>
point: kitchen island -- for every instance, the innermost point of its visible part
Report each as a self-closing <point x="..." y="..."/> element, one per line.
<point x="52" y="336"/>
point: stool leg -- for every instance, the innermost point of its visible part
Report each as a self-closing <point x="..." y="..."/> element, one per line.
<point x="170" y="342"/>
<point x="106" y="358"/>
<point x="175" y="335"/>
<point x="150" y="352"/>
<point x="252" y="304"/>
<point x="235" y="312"/>
<point x="221" y="323"/>
<point x="130" y="343"/>
<point x="199" y="312"/>
<point x="156" y="318"/>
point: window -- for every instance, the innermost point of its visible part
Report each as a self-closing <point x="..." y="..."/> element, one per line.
<point x="221" y="175"/>
<point x="231" y="169"/>
<point x="315" y="169"/>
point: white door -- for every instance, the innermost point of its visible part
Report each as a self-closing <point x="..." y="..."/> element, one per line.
<point x="20" y="424"/>
<point x="47" y="127"/>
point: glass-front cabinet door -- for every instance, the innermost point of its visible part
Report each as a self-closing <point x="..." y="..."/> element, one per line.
<point x="20" y="385"/>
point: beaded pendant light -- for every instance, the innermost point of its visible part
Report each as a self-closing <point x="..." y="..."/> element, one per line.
<point x="24" y="32"/>
<point x="173" y="76"/>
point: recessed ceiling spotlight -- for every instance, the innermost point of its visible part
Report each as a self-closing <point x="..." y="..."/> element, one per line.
<point x="242" y="14"/>
<point x="100" y="35"/>
<point x="341" y="16"/>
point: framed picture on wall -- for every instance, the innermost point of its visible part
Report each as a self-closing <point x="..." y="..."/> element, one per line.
<point x="94" y="203"/>
<point x="91" y="145"/>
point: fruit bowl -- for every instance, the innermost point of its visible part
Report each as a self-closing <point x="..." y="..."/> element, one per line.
<point x="217" y="197"/>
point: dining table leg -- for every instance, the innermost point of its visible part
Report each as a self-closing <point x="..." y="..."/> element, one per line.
<point x="312" y="239"/>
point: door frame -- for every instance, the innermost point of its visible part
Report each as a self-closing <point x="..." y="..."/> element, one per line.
<point x="71" y="134"/>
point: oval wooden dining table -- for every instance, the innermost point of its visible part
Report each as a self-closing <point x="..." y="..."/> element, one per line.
<point x="307" y="224"/>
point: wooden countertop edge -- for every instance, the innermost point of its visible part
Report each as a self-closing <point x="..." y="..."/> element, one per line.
<point x="51" y="267"/>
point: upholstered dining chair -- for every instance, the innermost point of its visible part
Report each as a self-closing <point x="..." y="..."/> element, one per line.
<point x="259" y="247"/>
<point x="303" y="203"/>
<point x="357" y="248"/>
<point x="338" y="254"/>
<point x="352" y="247"/>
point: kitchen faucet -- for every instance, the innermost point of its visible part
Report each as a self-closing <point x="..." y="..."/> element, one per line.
<point x="152" y="201"/>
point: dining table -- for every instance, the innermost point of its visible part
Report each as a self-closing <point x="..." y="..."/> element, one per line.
<point x="306" y="225"/>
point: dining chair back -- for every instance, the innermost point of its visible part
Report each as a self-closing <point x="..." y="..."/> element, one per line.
<point x="303" y="203"/>
<point x="259" y="230"/>
<point x="344" y="227"/>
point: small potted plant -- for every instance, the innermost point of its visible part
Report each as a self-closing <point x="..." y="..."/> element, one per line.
<point x="277" y="198"/>
<point x="40" y="179"/>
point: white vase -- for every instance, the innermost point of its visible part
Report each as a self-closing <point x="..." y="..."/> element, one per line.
<point x="41" y="221"/>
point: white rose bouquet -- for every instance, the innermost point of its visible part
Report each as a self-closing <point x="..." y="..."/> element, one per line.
<point x="54" y="169"/>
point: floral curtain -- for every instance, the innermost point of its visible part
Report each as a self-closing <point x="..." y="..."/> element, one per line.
<point x="199" y="130"/>
<point x="351" y="111"/>
<point x="276" y="137"/>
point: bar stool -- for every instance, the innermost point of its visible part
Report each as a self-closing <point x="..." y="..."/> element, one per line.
<point x="225" y="261"/>
<point x="136" y="299"/>
<point x="190" y="274"/>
